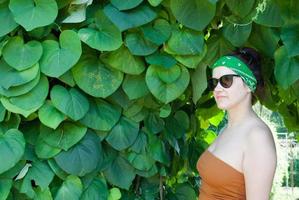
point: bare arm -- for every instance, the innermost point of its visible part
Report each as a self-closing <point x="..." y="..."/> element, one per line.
<point x="259" y="164"/>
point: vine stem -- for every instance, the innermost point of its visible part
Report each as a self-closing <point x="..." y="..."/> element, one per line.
<point x="161" y="187"/>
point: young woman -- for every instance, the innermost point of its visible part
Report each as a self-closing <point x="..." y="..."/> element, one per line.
<point x="240" y="163"/>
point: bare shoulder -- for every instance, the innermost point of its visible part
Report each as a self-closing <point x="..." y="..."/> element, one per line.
<point x="259" y="137"/>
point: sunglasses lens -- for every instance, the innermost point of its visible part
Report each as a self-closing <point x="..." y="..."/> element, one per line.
<point x="226" y="81"/>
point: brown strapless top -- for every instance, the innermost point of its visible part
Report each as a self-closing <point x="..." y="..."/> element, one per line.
<point x="219" y="179"/>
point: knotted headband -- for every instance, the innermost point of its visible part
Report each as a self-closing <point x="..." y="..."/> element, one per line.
<point x="239" y="67"/>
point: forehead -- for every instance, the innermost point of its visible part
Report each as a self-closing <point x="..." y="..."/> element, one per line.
<point x="222" y="70"/>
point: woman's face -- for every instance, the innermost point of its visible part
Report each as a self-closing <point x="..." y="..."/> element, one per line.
<point x="227" y="98"/>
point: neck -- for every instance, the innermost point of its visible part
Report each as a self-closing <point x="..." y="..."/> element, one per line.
<point x="239" y="114"/>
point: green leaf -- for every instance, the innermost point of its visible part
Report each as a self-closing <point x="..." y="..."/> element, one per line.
<point x="124" y="20"/>
<point x="12" y="77"/>
<point x="286" y="69"/>
<point x="185" y="42"/>
<point x="33" y="99"/>
<point x="124" y="61"/>
<point x="125" y="4"/>
<point x="44" y="150"/>
<point x="157" y="32"/>
<point x="123" y="134"/>
<point x="12" y="121"/>
<point x="141" y="161"/>
<point x="57" y="170"/>
<point x="43" y="194"/>
<point x="169" y="75"/>
<point x="199" y="82"/>
<point x="264" y="39"/>
<point x="188" y="12"/>
<point x="12" y="147"/>
<point x="5" y="185"/>
<point x="236" y="33"/>
<point x="161" y="59"/>
<point x="240" y="7"/>
<point x="70" y="102"/>
<point x="71" y="188"/>
<point x="7" y="21"/>
<point x="22" y="56"/>
<point x="154" y="123"/>
<point x="94" y="78"/>
<point x="138" y="45"/>
<point x="166" y="92"/>
<point x="120" y="173"/>
<point x="41" y="174"/>
<point x="15" y="109"/>
<point x="65" y="136"/>
<point x="134" y="86"/>
<point x="105" y="37"/>
<point x="21" y="89"/>
<point x="82" y="158"/>
<point x="154" y="2"/>
<point x="156" y="149"/>
<point x="32" y="14"/>
<point x="58" y="58"/>
<point x="192" y="61"/>
<point x="50" y="116"/>
<point x="101" y="115"/>
<point x="268" y="14"/>
<point x="290" y="36"/>
<point x="2" y="112"/>
<point x="184" y="191"/>
<point x="97" y="190"/>
<point x="140" y="143"/>
<point x="114" y="194"/>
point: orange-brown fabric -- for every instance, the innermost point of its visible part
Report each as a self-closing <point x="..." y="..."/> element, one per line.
<point x="220" y="181"/>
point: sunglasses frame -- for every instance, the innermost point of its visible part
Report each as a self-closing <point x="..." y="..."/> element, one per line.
<point x="213" y="82"/>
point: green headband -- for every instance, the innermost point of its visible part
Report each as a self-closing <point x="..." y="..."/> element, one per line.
<point x="239" y="67"/>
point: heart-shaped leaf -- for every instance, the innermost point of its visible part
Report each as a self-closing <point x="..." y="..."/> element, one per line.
<point x="71" y="188"/>
<point x="37" y="13"/>
<point x="11" y="77"/>
<point x="6" y="19"/>
<point x="138" y="45"/>
<point x="163" y="91"/>
<point x="65" y="136"/>
<point x="22" y="56"/>
<point x="169" y="75"/>
<point x="135" y="17"/>
<point x="72" y="103"/>
<point x="12" y="147"/>
<point x="123" y="134"/>
<point x="188" y="12"/>
<point x="135" y="86"/>
<point x="92" y="192"/>
<point x="82" y="158"/>
<point x="101" y="115"/>
<point x="185" y="42"/>
<point x="21" y="89"/>
<point x="158" y="32"/>
<point x="33" y="99"/>
<point x="50" y="116"/>
<point x="290" y="36"/>
<point x="107" y="37"/>
<point x="124" y="61"/>
<point x="94" y="78"/>
<point x="125" y="4"/>
<point x="120" y="173"/>
<point x="58" y="58"/>
<point x="286" y="70"/>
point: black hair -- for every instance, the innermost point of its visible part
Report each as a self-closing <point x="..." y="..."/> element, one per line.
<point x="253" y="60"/>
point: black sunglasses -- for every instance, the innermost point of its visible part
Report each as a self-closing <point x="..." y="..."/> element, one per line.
<point x="225" y="81"/>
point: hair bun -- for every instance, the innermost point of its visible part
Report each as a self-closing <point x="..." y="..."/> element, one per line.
<point x="250" y="55"/>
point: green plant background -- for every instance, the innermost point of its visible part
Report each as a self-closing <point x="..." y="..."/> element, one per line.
<point x="108" y="100"/>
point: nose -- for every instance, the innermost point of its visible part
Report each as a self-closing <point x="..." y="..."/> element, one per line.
<point x="218" y="87"/>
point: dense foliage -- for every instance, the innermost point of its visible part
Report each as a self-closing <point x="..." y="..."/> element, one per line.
<point x="107" y="99"/>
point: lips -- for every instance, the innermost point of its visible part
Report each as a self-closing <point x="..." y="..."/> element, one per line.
<point x="219" y="97"/>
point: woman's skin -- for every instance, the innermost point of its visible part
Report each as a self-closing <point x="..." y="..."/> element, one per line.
<point x="246" y="143"/>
